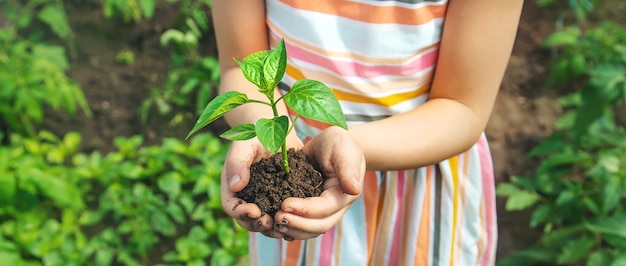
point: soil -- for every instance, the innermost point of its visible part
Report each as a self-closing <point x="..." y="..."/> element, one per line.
<point x="524" y="113"/>
<point x="270" y="185"/>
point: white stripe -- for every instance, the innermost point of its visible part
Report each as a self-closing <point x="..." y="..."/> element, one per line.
<point x="350" y="108"/>
<point x="472" y="227"/>
<point x="345" y="35"/>
<point x="266" y="249"/>
<point x="354" y="235"/>
<point x="398" y="3"/>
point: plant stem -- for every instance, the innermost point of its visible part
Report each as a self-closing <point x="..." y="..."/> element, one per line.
<point x="284" y="146"/>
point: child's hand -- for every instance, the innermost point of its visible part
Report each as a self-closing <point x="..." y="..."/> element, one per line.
<point x="342" y="161"/>
<point x="235" y="176"/>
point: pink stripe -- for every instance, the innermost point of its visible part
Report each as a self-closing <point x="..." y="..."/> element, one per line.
<point x="252" y="249"/>
<point x="353" y="69"/>
<point x="394" y="254"/>
<point x="486" y="167"/>
<point x="326" y="247"/>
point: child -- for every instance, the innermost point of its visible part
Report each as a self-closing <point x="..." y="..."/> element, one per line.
<point x="417" y="80"/>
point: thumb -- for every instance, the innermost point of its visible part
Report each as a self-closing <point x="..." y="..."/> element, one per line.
<point x="350" y="169"/>
<point x="237" y="165"/>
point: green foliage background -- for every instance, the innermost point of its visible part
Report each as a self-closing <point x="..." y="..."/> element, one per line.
<point x="578" y="192"/>
<point x="137" y="205"/>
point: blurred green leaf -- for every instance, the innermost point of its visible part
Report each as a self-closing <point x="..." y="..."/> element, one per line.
<point x="170" y="183"/>
<point x="615" y="226"/>
<point x="521" y="200"/>
<point x="569" y="36"/>
<point x="55" y="18"/>
<point x="8" y="189"/>
<point x="575" y="250"/>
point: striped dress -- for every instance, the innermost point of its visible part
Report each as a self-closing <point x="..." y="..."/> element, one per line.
<point x="378" y="57"/>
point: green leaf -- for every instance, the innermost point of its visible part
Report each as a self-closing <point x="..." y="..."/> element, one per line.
<point x="147" y="6"/>
<point x="272" y="132"/>
<point x="170" y="183"/>
<point x="56" y="19"/>
<point x="619" y="261"/>
<point x="240" y="132"/>
<point x="576" y="249"/>
<point x="161" y="223"/>
<point x="599" y="257"/>
<point x="190" y="249"/>
<point x="563" y="38"/>
<point x="219" y="106"/>
<point x="104" y="256"/>
<point x="51" y="53"/>
<point x="615" y="226"/>
<point x="529" y="257"/>
<point x="612" y="193"/>
<point x="548" y="145"/>
<point x="176" y="212"/>
<point x="252" y="68"/>
<point x="63" y="193"/>
<point x="71" y="142"/>
<point x="221" y="257"/>
<point x="89" y="218"/>
<point x="540" y="215"/>
<point x="506" y="189"/>
<point x="8" y="189"/>
<point x="171" y="35"/>
<point x="274" y="66"/>
<point x="521" y="200"/>
<point x="312" y="99"/>
<point x="10" y="257"/>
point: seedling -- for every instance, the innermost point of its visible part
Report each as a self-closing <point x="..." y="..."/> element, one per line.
<point x="307" y="98"/>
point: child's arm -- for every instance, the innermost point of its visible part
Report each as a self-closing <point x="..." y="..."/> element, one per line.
<point x="477" y="40"/>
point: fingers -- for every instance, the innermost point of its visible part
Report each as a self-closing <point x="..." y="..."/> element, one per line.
<point x="332" y="200"/>
<point x="298" y="227"/>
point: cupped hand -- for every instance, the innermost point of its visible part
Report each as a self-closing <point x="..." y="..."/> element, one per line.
<point x="343" y="163"/>
<point x="236" y="176"/>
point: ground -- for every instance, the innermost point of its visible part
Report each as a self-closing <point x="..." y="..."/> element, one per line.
<point x="524" y="113"/>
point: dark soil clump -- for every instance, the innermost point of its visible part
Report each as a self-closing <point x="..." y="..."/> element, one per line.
<point x="269" y="184"/>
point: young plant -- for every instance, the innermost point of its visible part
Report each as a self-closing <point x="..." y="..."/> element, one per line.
<point x="308" y="98"/>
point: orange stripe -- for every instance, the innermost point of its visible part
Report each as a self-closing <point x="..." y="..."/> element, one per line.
<point x="376" y="258"/>
<point x="407" y="207"/>
<point x="384" y="101"/>
<point x="371" y="13"/>
<point x="293" y="253"/>
<point x="337" y="250"/>
<point x="370" y="197"/>
<point x="421" y="254"/>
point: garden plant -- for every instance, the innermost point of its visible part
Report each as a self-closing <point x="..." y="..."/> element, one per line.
<point x="578" y="191"/>
<point x="308" y="98"/>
